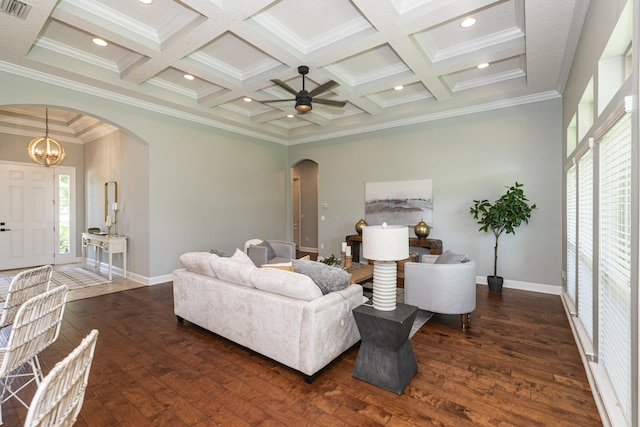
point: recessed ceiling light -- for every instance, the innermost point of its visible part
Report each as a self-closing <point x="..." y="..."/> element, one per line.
<point x="468" y="22"/>
<point x="99" y="41"/>
<point x="189" y="77"/>
<point x="483" y="65"/>
<point x="247" y="99"/>
<point x="290" y="116"/>
<point x="399" y="87"/>
<point x="146" y="1"/>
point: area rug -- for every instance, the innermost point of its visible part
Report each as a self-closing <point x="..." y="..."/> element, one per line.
<point x="75" y="278"/>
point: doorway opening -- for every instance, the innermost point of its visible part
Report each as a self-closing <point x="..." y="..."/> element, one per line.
<point x="305" y="206"/>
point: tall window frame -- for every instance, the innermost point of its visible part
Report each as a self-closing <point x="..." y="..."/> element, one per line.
<point x="65" y="215"/>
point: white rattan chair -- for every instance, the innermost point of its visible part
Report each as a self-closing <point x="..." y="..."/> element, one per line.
<point x="24" y="285"/>
<point x="35" y="327"/>
<point x="60" y="395"/>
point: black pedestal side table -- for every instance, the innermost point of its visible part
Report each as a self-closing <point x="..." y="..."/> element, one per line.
<point x="385" y="357"/>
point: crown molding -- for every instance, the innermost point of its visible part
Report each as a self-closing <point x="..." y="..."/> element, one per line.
<point x="84" y="88"/>
<point x="87" y="89"/>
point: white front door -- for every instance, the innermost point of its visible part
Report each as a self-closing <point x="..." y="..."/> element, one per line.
<point x="26" y="216"/>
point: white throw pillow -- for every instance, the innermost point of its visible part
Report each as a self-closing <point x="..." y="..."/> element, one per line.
<point x="286" y="283"/>
<point x="199" y="262"/>
<point x="233" y="270"/>
<point x="240" y="256"/>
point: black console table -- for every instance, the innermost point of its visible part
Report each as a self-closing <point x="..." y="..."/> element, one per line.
<point x="355" y="240"/>
<point x="385" y="357"/>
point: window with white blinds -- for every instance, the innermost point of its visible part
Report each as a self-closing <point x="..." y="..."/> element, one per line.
<point x="614" y="281"/>
<point x="571" y="233"/>
<point x="585" y="242"/>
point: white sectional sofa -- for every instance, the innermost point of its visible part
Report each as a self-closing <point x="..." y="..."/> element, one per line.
<point x="280" y="314"/>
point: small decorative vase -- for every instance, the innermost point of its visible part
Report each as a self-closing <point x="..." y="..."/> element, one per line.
<point x="360" y="224"/>
<point x="422" y="230"/>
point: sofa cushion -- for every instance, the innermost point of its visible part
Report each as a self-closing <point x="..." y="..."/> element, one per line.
<point x="327" y="278"/>
<point x="199" y="262"/>
<point x="449" y="257"/>
<point x="286" y="283"/>
<point x="235" y="269"/>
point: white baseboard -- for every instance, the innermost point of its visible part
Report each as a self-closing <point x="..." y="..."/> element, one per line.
<point x="603" y="395"/>
<point x="117" y="271"/>
<point x="525" y="286"/>
<point x="160" y="279"/>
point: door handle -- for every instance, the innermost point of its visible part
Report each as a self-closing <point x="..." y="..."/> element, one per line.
<point x="4" y="229"/>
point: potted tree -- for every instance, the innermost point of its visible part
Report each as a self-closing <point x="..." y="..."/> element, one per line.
<point x="504" y="215"/>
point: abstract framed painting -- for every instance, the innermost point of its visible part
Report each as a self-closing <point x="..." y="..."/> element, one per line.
<point x="399" y="202"/>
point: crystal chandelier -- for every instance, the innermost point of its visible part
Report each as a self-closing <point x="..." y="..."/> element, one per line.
<point x="44" y="150"/>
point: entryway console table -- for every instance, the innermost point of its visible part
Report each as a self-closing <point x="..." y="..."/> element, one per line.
<point x="355" y="240"/>
<point x="110" y="244"/>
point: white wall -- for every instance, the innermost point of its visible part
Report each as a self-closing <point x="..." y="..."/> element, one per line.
<point x="120" y="158"/>
<point x="212" y="189"/>
<point x="468" y="157"/>
<point x="207" y="188"/>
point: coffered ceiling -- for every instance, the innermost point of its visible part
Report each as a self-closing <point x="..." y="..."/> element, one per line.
<point x="234" y="48"/>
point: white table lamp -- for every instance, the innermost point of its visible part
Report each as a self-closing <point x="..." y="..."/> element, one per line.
<point x="385" y="244"/>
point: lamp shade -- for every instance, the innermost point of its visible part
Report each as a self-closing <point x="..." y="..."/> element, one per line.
<point x="385" y="242"/>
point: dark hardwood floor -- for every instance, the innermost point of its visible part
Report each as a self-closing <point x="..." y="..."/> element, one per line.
<point x="518" y="365"/>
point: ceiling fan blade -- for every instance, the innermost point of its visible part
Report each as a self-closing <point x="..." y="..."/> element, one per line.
<point x="323" y="88"/>
<point x="329" y="102"/>
<point x="277" y="100"/>
<point x="285" y="86"/>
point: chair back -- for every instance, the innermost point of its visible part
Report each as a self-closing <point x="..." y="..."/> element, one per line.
<point x="251" y="242"/>
<point x="35" y="327"/>
<point x="60" y="395"/>
<point x="23" y="287"/>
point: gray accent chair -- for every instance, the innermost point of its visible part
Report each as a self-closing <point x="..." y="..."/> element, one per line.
<point x="277" y="251"/>
<point x="441" y="288"/>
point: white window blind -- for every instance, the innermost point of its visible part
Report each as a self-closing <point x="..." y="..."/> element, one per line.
<point x="585" y="242"/>
<point x="614" y="282"/>
<point x="571" y="234"/>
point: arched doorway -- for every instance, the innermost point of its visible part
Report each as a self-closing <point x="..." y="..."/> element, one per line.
<point x="96" y="152"/>
<point x="305" y="205"/>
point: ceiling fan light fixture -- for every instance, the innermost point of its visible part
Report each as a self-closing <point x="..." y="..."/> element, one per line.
<point x="303" y="104"/>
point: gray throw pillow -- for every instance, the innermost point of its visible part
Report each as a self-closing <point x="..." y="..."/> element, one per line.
<point x="270" y="252"/>
<point x="449" y="257"/>
<point x="217" y="252"/>
<point x="327" y="278"/>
